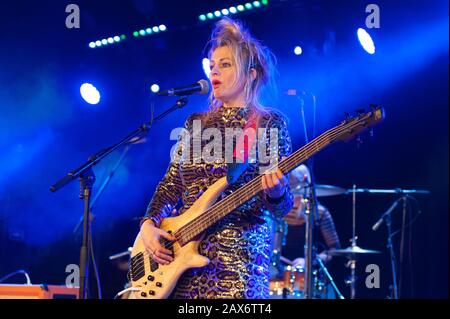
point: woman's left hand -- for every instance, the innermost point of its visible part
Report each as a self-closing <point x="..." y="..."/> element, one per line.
<point x="274" y="184"/>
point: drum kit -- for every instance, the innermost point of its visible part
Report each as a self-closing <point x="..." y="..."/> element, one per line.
<point x="288" y="280"/>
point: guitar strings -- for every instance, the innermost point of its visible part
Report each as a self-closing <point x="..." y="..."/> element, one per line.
<point x="320" y="142"/>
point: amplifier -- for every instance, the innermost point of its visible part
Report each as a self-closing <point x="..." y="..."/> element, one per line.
<point x="38" y="292"/>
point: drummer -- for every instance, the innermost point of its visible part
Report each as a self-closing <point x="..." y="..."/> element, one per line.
<point x="293" y="245"/>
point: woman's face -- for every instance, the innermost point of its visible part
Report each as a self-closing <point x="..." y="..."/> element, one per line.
<point x="223" y="76"/>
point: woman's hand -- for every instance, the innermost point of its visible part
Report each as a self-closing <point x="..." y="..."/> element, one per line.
<point x="151" y="236"/>
<point x="274" y="184"/>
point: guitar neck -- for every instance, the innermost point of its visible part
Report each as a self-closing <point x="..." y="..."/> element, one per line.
<point x="243" y="194"/>
<point x="343" y="132"/>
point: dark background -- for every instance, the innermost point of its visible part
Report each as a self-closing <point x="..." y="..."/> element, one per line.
<point x="46" y="129"/>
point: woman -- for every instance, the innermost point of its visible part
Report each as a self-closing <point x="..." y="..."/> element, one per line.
<point x="238" y="246"/>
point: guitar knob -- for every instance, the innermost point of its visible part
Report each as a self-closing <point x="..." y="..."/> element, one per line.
<point x="158" y="284"/>
<point x="143" y="294"/>
<point x="151" y="292"/>
<point x="150" y="278"/>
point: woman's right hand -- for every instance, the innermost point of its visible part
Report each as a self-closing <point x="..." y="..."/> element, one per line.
<point x="151" y="237"/>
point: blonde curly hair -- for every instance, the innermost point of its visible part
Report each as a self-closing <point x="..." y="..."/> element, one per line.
<point x="248" y="53"/>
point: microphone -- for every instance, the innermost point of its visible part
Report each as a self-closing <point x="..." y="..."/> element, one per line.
<point x="380" y="221"/>
<point x="201" y="87"/>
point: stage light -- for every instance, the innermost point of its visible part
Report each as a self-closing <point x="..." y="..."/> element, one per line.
<point x="117" y="38"/>
<point x="149" y="30"/>
<point x="155" y="29"/>
<point x="135" y="33"/>
<point x="98" y="43"/>
<point x="89" y="93"/>
<point x="92" y="45"/>
<point x="232" y="10"/>
<point x="104" y="42"/>
<point x="154" y="88"/>
<point x="206" y="66"/>
<point x="142" y="32"/>
<point x="298" y="50"/>
<point x="366" y="41"/>
<point x="110" y="40"/>
<point x="162" y="27"/>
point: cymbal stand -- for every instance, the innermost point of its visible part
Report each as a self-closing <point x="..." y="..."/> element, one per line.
<point x="352" y="259"/>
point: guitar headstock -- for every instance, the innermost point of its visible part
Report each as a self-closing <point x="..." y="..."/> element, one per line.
<point x="355" y="125"/>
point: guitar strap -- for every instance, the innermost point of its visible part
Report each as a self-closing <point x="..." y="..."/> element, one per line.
<point x="244" y="144"/>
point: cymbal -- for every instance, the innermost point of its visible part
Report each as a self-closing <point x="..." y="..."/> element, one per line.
<point x="352" y="250"/>
<point x="388" y="191"/>
<point x="321" y="190"/>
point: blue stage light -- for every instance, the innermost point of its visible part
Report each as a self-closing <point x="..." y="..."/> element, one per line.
<point x="154" y="88"/>
<point x="298" y="50"/>
<point x="206" y="66"/>
<point x="366" y="41"/>
<point x="89" y="93"/>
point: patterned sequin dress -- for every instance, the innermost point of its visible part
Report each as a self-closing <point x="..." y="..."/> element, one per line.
<point x="238" y="246"/>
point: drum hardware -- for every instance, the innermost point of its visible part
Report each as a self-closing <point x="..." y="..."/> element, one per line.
<point x="386" y="217"/>
<point x="321" y="190"/>
<point x="327" y="274"/>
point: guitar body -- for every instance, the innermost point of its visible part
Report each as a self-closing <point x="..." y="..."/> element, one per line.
<point x="151" y="283"/>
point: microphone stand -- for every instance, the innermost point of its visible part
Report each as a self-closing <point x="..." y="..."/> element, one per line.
<point x="386" y="217"/>
<point x="311" y="211"/>
<point x="352" y="258"/>
<point x="102" y="189"/>
<point x="87" y="180"/>
<point x="392" y="254"/>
